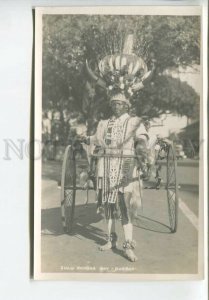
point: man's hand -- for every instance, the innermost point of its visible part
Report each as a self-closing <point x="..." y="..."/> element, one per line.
<point x="83" y="139"/>
<point x="141" y="148"/>
<point x="142" y="155"/>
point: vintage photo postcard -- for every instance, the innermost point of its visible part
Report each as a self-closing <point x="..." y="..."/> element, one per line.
<point x="119" y="154"/>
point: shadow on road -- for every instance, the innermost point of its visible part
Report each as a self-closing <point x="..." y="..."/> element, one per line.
<point x="151" y="225"/>
<point x="85" y="216"/>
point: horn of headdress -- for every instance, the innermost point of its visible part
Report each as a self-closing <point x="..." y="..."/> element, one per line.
<point x="128" y="49"/>
<point x="99" y="81"/>
<point x="144" y="80"/>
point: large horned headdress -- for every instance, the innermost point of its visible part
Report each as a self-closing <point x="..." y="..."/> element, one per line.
<point x="124" y="73"/>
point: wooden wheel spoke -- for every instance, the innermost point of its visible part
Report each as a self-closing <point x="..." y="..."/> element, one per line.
<point x="68" y="197"/>
<point x="171" y="196"/>
<point x="172" y="211"/>
<point x="171" y="204"/>
<point x="171" y="174"/>
<point x="171" y="186"/>
<point x="68" y="192"/>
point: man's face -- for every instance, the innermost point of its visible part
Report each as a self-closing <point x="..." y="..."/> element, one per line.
<point x="119" y="108"/>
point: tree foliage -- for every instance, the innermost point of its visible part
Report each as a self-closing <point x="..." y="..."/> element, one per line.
<point x="167" y="94"/>
<point x="68" y="40"/>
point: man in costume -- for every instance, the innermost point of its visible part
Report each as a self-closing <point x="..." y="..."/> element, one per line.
<point x="120" y="139"/>
<point x="121" y="143"/>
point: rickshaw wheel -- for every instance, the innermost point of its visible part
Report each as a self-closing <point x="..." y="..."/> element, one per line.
<point x="68" y="189"/>
<point x="172" y="188"/>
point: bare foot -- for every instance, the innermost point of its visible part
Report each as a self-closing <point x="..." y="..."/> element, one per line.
<point x="111" y="242"/>
<point x="107" y="246"/>
<point x="130" y="255"/>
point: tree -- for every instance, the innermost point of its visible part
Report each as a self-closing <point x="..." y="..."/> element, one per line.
<point x="68" y="40"/>
<point x="166" y="93"/>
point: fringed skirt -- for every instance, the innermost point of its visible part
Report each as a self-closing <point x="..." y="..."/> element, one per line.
<point x="118" y="187"/>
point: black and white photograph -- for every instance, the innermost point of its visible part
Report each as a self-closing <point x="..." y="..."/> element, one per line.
<point x="119" y="143"/>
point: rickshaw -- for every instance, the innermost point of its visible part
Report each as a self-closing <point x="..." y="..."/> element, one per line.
<point x="78" y="174"/>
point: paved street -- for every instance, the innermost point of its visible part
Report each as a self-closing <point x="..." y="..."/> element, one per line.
<point x="158" y="250"/>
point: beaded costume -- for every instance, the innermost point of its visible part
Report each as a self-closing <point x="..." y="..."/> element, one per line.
<point x="116" y="172"/>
